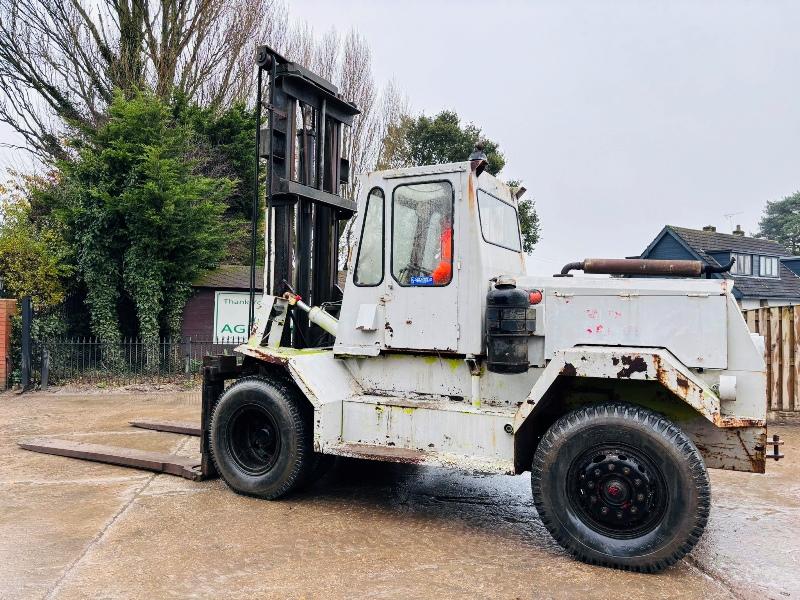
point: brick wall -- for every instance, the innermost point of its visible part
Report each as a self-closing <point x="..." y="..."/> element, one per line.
<point x="7" y="309"/>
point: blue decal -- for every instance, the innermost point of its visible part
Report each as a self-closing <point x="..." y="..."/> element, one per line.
<point x="422" y="280"/>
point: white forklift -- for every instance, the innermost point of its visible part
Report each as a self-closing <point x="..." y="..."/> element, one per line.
<point x="616" y="393"/>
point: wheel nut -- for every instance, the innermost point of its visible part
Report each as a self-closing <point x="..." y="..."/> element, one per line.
<point x="604" y="510"/>
<point x="634" y="510"/>
<point x="619" y="514"/>
<point x="626" y="470"/>
<point x="590" y="484"/>
<point x="583" y="476"/>
<point x="592" y="499"/>
<point x="640" y="497"/>
<point x="597" y="472"/>
<point x="611" y="467"/>
<point x="637" y="482"/>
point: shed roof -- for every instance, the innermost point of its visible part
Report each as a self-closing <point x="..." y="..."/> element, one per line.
<point x="230" y="277"/>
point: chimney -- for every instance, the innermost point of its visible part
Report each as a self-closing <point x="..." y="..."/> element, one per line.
<point x="709" y="228"/>
<point x="738" y="231"/>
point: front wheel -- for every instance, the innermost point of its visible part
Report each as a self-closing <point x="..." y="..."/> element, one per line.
<point x="260" y="440"/>
<point x="620" y="486"/>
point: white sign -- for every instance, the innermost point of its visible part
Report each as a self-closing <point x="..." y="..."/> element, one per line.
<point x="231" y="312"/>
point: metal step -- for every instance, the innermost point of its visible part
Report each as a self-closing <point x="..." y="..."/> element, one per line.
<point x="182" y="427"/>
<point x="159" y="462"/>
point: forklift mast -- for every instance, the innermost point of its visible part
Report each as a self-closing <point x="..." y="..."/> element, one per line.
<point x="302" y="142"/>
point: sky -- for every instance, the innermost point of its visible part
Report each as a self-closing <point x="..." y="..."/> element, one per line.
<point x="619" y="117"/>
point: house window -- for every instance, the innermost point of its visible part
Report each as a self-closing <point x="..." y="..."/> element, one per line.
<point x="769" y="266"/>
<point x="743" y="264"/>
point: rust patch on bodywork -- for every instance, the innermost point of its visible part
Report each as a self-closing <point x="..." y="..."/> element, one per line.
<point x="633" y="364"/>
<point x="472" y="199"/>
<point x="721" y="455"/>
<point x="721" y="421"/>
<point x="758" y="466"/>
<point x="733" y="442"/>
<point x="628" y="364"/>
<point x="739" y="449"/>
<point x="257" y="353"/>
<point x="277" y="356"/>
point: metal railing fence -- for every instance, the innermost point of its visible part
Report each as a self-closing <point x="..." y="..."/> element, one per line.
<point x="59" y="361"/>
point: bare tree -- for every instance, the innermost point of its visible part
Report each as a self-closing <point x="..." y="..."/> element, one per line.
<point x="62" y="60"/>
<point x="326" y="57"/>
<point x="357" y="85"/>
<point x="347" y="62"/>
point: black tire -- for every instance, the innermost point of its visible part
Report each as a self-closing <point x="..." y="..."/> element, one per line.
<point x="261" y="442"/>
<point x="320" y="465"/>
<point x="621" y="486"/>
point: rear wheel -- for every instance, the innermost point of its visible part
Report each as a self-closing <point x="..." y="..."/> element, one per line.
<point x="260" y="441"/>
<point x="620" y="486"/>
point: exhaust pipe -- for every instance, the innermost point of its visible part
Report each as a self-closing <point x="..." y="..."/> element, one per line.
<point x="643" y="266"/>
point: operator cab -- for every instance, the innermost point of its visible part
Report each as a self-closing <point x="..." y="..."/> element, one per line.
<point x="408" y="288"/>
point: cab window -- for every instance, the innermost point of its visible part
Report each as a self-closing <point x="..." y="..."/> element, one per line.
<point x="499" y="222"/>
<point x="422" y="234"/>
<point x="369" y="261"/>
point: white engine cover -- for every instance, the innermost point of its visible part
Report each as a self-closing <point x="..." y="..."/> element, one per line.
<point x="685" y="316"/>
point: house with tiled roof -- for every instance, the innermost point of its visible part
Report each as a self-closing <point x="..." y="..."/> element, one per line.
<point x="764" y="272"/>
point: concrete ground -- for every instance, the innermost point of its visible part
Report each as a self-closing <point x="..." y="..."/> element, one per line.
<point x="75" y="529"/>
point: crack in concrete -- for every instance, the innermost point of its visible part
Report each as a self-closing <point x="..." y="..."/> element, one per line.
<point x="97" y="539"/>
<point x="698" y="566"/>
<point x="51" y="593"/>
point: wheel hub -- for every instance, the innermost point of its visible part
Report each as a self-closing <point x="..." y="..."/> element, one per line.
<point x="615" y="491"/>
<point x="619" y="492"/>
<point x="253" y="439"/>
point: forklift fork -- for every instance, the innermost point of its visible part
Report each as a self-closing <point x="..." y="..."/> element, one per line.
<point x="216" y="370"/>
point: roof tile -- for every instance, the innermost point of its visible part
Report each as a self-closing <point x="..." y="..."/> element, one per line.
<point x="230" y="277"/>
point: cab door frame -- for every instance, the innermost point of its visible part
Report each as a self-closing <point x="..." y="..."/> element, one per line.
<point x="423" y="317"/>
